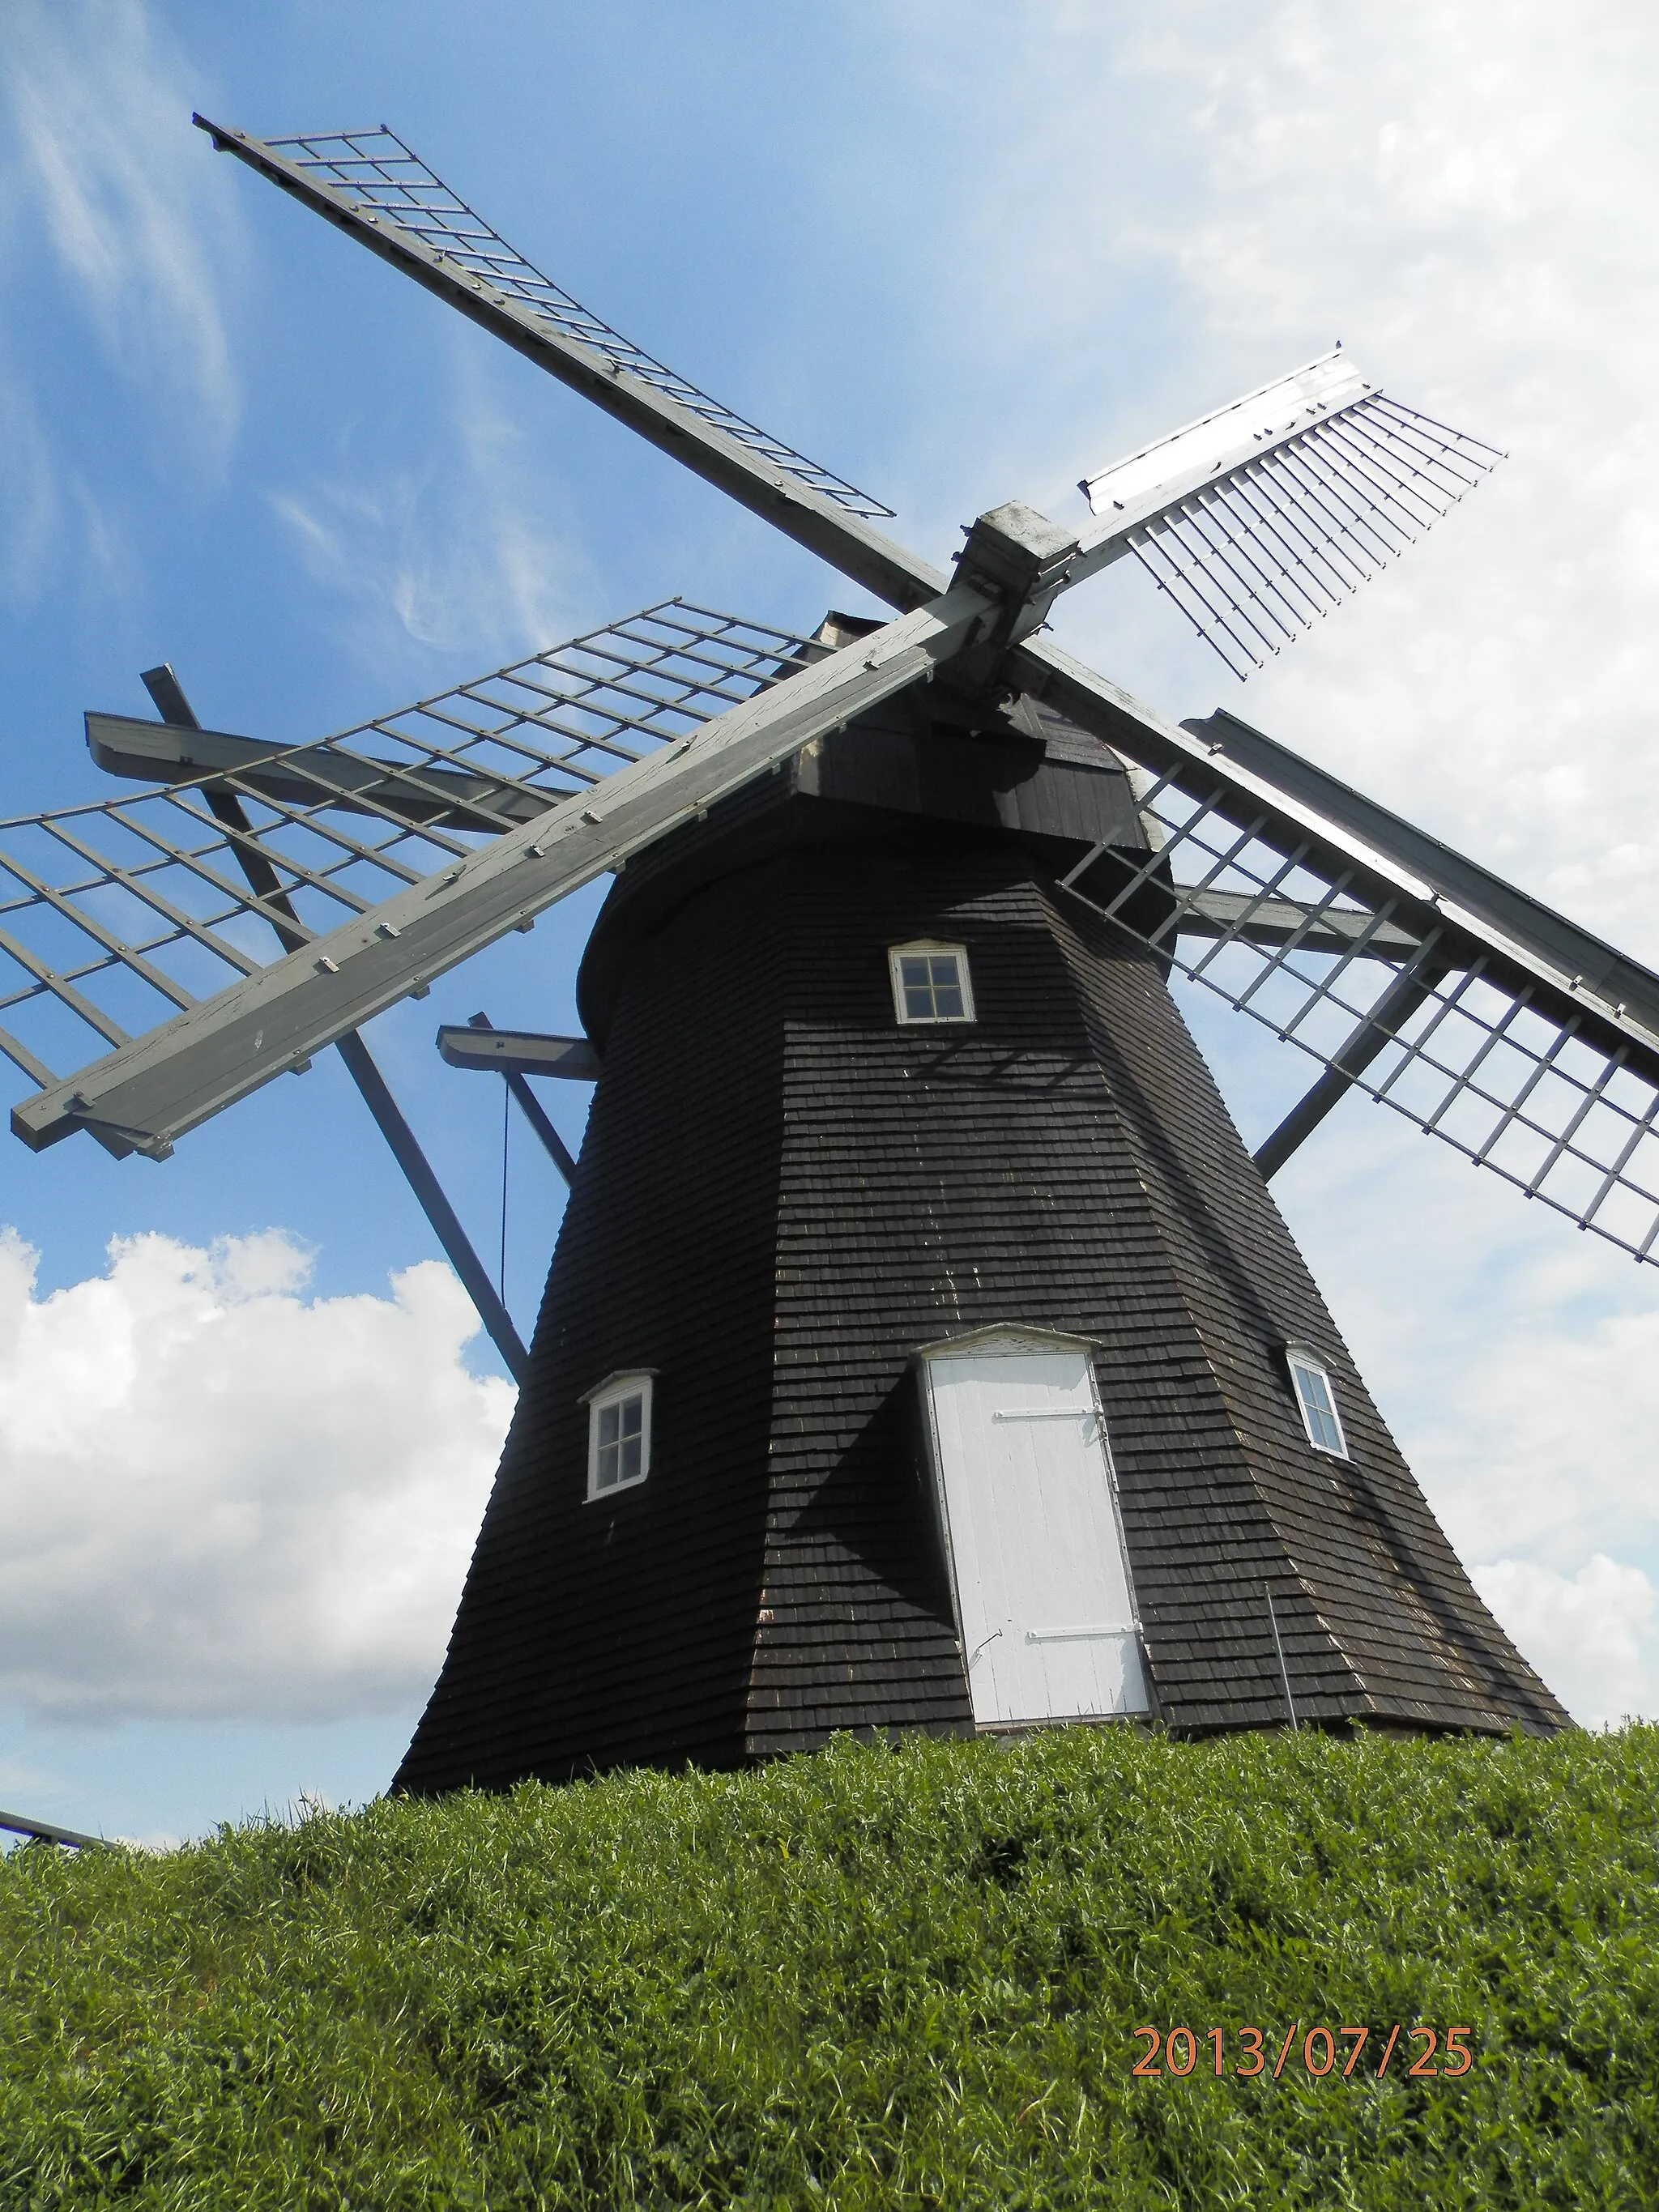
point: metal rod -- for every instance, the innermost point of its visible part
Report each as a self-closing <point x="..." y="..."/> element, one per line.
<point x="1284" y="1671"/>
<point x="264" y="881"/>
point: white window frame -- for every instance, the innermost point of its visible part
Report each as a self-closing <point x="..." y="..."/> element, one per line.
<point x="935" y="946"/>
<point x="1302" y="1358"/>
<point x="616" y="1390"/>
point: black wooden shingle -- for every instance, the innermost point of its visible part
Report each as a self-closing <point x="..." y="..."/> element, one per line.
<point x="782" y="1194"/>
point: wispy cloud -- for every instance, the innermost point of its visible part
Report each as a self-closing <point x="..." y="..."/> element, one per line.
<point x="106" y="190"/>
<point x="1185" y="200"/>
<point x="1470" y="214"/>
<point x="1191" y="199"/>
<point x="104" y="153"/>
<point x="461" y="558"/>
<point x="221" y="1497"/>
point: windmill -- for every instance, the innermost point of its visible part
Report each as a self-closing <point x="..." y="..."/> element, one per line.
<point x="923" y="1348"/>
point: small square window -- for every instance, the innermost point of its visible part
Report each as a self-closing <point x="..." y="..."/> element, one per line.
<point x="619" y="1432"/>
<point x="1317" y="1400"/>
<point x="930" y="982"/>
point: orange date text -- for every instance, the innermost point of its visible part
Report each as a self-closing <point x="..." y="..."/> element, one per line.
<point x="1315" y="2051"/>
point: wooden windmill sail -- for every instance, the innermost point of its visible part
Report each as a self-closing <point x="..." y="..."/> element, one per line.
<point x="922" y="1347"/>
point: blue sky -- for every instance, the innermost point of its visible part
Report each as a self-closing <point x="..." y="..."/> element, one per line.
<point x="960" y="253"/>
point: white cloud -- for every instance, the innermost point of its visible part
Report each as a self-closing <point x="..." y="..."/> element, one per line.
<point x="1469" y="212"/>
<point x="105" y="159"/>
<point x="1594" y="1636"/>
<point x="103" y="180"/>
<point x="1463" y="195"/>
<point x="1166" y="206"/>
<point x="1148" y="211"/>
<point x="221" y="1497"/>
<point x="1550" y="1428"/>
<point x="457" y="558"/>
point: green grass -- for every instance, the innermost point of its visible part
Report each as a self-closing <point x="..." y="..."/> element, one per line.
<point x="866" y="1978"/>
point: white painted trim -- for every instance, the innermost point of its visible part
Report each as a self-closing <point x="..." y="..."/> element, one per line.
<point x="1303" y="1355"/>
<point x="1000" y="1337"/>
<point x="617" y="1375"/>
<point x="614" y="1390"/>
<point x="934" y="944"/>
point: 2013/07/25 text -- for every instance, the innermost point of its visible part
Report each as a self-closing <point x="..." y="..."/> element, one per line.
<point x="1180" y="2049"/>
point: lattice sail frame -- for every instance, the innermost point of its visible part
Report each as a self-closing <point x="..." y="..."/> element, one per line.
<point x="119" y="914"/>
<point x="382" y="177"/>
<point x="1410" y="1008"/>
<point x="1254" y="559"/>
<point x="115" y="915"/>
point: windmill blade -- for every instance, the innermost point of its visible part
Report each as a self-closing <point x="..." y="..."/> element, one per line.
<point x="1253" y="520"/>
<point x="156" y="1085"/>
<point x="369" y="184"/>
<point x="1404" y="969"/>
<point x="116" y="914"/>
<point x="499" y="749"/>
<point x="1259" y="519"/>
<point x="227" y="809"/>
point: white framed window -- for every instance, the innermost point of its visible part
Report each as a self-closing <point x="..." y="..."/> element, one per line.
<point x="619" y="1431"/>
<point x="930" y="982"/>
<point x="1317" y="1400"/>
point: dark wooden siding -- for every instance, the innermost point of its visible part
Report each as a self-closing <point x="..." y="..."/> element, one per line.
<point x="1380" y="1619"/>
<point x="593" y="1635"/>
<point x="781" y="1195"/>
<point x="932" y="1182"/>
<point x="1067" y="1162"/>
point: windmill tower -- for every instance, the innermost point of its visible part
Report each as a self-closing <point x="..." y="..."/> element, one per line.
<point x="923" y="1348"/>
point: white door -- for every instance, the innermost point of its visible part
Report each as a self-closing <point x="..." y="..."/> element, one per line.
<point x="1042" y="1584"/>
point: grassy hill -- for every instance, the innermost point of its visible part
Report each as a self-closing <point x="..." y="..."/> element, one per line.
<point x="866" y="1978"/>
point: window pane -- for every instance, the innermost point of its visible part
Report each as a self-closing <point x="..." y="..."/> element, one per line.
<point x="932" y="987"/>
<point x="1321" y="1414"/>
<point x="618" y="1435"/>
<point x="1304" y="1390"/>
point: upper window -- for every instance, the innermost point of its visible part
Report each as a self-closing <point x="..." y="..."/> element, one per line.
<point x="930" y="982"/>
<point x="619" y="1432"/>
<point x="1317" y="1401"/>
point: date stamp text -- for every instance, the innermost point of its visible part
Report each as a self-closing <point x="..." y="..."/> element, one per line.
<point x="1177" y="2051"/>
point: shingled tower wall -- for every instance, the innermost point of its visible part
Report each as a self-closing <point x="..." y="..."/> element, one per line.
<point x="782" y="1193"/>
